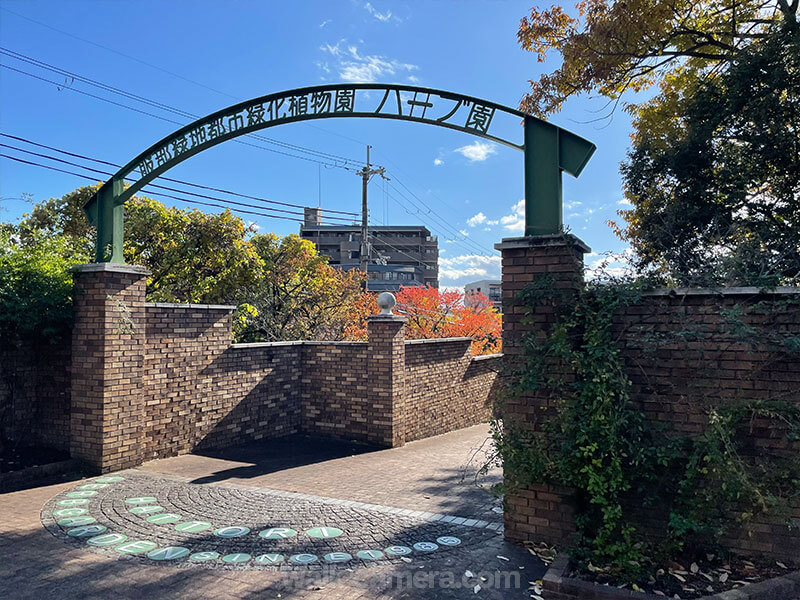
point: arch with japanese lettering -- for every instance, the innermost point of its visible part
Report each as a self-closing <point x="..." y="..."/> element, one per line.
<point x="549" y="150"/>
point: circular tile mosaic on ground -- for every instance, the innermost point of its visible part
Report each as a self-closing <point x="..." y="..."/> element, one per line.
<point x="170" y="521"/>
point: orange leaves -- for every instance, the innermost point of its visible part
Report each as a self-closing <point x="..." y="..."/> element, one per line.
<point x="545" y="29"/>
<point x="433" y="313"/>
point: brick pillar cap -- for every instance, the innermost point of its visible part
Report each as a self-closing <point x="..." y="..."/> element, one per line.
<point x="533" y="241"/>
<point x="386" y="319"/>
<point x="111" y="268"/>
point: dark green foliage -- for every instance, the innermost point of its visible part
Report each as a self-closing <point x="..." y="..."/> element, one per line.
<point x="716" y="194"/>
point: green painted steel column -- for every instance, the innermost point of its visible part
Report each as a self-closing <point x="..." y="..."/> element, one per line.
<point x="543" y="212"/>
<point x="105" y="213"/>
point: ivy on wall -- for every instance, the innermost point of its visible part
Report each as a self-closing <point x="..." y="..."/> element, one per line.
<point x="589" y="435"/>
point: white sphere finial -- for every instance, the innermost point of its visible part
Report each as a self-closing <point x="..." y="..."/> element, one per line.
<point x="386" y="302"/>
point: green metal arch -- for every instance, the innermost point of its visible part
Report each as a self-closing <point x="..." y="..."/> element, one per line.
<point x="548" y="149"/>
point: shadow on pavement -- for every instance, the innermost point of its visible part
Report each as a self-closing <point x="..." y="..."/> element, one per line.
<point x="279" y="454"/>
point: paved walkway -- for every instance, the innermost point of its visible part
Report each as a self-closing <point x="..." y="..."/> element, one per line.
<point x="300" y="518"/>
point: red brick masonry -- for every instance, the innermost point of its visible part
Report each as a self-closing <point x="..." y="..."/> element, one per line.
<point x="682" y="357"/>
<point x="157" y="380"/>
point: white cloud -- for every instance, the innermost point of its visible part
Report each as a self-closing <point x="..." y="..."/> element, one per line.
<point x="413" y="79"/>
<point x="492" y="221"/>
<point x="460" y="273"/>
<point x="476" y="220"/>
<point x="463" y="232"/>
<point x="515" y="221"/>
<point x="438" y="161"/>
<point x="625" y="202"/>
<point x="357" y="68"/>
<point x="471" y="260"/>
<point x="334" y="50"/>
<point x="383" y="17"/>
<point x="469" y="266"/>
<point x="325" y="22"/>
<point x="477" y="151"/>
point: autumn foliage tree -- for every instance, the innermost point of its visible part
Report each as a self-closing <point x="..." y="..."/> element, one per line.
<point x="297" y="295"/>
<point x="614" y="46"/>
<point x="712" y="176"/>
<point x="433" y="313"/>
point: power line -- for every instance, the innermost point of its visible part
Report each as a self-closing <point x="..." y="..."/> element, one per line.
<point x="435" y="227"/>
<point x="166" y="107"/>
<point x="162" y="118"/>
<point x="196" y="185"/>
<point x="128" y="56"/>
<point x="443" y="223"/>
<point x="156" y="67"/>
<point x="148" y="189"/>
<point x="236" y="210"/>
<point x="433" y="214"/>
<point x="395" y="248"/>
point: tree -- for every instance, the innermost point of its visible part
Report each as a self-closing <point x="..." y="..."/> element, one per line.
<point x="193" y="256"/>
<point x="434" y="313"/>
<point x="298" y="296"/>
<point x="614" y="46"/>
<point x="716" y="189"/>
<point x="36" y="288"/>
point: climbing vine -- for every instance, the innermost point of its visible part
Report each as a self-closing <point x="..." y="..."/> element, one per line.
<point x="588" y="435"/>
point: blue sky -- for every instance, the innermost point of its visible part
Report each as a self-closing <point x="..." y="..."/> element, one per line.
<point x="202" y="56"/>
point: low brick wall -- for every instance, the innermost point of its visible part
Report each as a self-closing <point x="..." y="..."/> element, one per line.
<point x="141" y="381"/>
<point x="335" y="386"/>
<point x="443" y="381"/>
<point x="684" y="357"/>
<point x="202" y="392"/>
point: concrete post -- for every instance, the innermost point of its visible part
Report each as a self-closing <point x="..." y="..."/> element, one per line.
<point x="108" y="341"/>
<point x="536" y="513"/>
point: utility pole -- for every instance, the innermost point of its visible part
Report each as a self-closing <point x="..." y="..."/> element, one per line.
<point x="366" y="174"/>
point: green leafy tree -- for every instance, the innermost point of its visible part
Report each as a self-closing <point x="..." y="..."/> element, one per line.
<point x="36" y="287"/>
<point x="299" y="296"/>
<point x="712" y="172"/>
<point x="716" y="189"/>
<point x="193" y="256"/>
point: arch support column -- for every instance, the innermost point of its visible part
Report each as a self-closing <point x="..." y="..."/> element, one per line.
<point x="535" y="512"/>
<point x="108" y="344"/>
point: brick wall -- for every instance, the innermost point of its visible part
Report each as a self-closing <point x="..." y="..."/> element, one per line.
<point x="335" y="389"/>
<point x="199" y="391"/>
<point x="141" y="381"/>
<point x="107" y="359"/>
<point x="676" y="378"/>
<point x="446" y="388"/>
<point x="202" y="392"/>
<point x="538" y="513"/>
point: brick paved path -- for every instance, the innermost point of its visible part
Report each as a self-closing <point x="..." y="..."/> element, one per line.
<point x="37" y="564"/>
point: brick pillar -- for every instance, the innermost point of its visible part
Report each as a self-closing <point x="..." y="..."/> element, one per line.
<point x="108" y="340"/>
<point x="539" y="512"/>
<point x="386" y="367"/>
